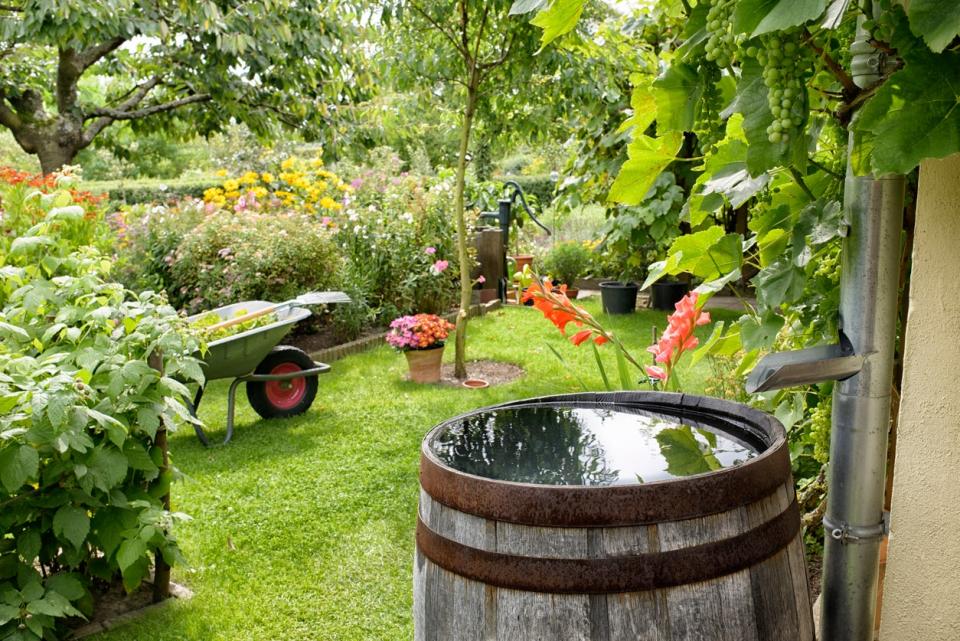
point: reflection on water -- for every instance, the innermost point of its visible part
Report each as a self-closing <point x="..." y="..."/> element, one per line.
<point x="562" y="445"/>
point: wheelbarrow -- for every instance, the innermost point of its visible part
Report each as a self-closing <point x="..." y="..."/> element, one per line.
<point x="281" y="380"/>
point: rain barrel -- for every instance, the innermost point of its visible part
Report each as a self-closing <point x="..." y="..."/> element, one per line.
<point x="639" y="516"/>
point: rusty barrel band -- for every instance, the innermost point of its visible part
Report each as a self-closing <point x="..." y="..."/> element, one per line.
<point x="607" y="506"/>
<point x="609" y="575"/>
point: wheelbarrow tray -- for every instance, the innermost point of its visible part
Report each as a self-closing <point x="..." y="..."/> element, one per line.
<point x="239" y="355"/>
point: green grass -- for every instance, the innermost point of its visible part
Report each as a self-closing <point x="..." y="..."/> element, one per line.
<point x="303" y="528"/>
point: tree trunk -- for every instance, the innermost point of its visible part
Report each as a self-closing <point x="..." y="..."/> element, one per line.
<point x="53" y="155"/>
<point x="466" y="284"/>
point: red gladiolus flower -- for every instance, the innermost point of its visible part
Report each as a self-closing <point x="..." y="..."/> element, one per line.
<point x="678" y="337"/>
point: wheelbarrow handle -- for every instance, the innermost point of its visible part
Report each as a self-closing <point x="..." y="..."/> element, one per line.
<point x="243" y="319"/>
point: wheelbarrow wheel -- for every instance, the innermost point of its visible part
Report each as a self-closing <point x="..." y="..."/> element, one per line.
<point x="275" y="399"/>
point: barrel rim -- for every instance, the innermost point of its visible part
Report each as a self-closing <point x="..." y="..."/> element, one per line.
<point x="618" y="505"/>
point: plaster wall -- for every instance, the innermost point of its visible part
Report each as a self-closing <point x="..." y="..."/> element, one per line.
<point x="922" y="586"/>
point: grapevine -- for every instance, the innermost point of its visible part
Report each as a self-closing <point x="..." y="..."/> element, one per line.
<point x="709" y="124"/>
<point x="721" y="41"/>
<point x="785" y="64"/>
<point x="820" y="429"/>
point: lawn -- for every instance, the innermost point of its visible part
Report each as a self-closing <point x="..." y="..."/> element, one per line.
<point x="303" y="528"/>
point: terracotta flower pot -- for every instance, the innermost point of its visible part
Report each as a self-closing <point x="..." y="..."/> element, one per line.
<point x="425" y="364"/>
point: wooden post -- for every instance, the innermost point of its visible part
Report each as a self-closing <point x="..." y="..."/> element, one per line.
<point x="161" y="570"/>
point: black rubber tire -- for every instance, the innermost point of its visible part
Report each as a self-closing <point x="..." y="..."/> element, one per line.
<point x="257" y="390"/>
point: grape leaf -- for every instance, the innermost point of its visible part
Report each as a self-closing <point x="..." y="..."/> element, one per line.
<point x="708" y="254"/>
<point x="755" y="17"/>
<point x="647" y="158"/>
<point x="677" y="91"/>
<point x="914" y="115"/>
<point x="558" y="18"/>
<point x="762" y="334"/>
<point x="936" y="21"/>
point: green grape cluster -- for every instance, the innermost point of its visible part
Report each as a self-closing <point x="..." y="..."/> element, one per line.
<point x="722" y="43"/>
<point x="828" y="267"/>
<point x="820" y="430"/>
<point x="785" y="65"/>
<point x="709" y="125"/>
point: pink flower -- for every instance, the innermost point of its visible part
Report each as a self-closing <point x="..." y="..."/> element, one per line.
<point x="482" y="279"/>
<point x="430" y="250"/>
<point x="357" y="182"/>
<point x="326" y="221"/>
<point x="656" y="372"/>
<point x="439" y="267"/>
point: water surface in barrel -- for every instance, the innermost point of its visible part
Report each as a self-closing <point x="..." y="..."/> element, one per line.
<point x="554" y="444"/>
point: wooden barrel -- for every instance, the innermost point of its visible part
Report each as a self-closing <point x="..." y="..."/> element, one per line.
<point x="716" y="556"/>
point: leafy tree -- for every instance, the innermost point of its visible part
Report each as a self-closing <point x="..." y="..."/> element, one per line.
<point x="476" y="45"/>
<point x="71" y="69"/>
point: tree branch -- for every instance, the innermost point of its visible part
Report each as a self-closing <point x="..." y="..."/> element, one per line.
<point x="105" y="115"/>
<point x="439" y="27"/>
<point x="8" y="118"/>
<point x="464" y="30"/>
<point x="483" y="25"/>
<point x="504" y="54"/>
<point x="89" y="57"/>
<point x="850" y="89"/>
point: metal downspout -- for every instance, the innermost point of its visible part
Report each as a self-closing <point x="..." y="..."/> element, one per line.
<point x="854" y="524"/>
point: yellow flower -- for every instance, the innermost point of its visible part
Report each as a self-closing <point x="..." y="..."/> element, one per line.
<point x="322" y="185"/>
<point x="233" y="194"/>
<point x="316" y="162"/>
<point x="231" y="185"/>
<point x="222" y="173"/>
<point x="259" y="192"/>
<point x="287" y="164"/>
<point x="329" y="203"/>
<point x="250" y="178"/>
<point x="267" y="177"/>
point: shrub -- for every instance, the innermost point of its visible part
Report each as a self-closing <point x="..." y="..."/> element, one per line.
<point x="397" y="230"/>
<point x="136" y="192"/>
<point x="540" y="186"/>
<point x="89" y="374"/>
<point x="253" y="254"/>
<point x="567" y="262"/>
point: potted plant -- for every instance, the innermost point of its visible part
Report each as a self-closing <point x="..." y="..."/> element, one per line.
<point x="667" y="292"/>
<point x="421" y="339"/>
<point x="634" y="237"/>
<point x="566" y="262"/>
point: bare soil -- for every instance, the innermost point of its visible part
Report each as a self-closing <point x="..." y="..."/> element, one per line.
<point x="494" y="372"/>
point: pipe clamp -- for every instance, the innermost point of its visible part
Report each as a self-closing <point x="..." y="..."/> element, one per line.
<point x="846" y="533"/>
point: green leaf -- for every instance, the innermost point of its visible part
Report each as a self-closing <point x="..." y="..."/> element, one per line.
<point x="677" y="92"/>
<point x="708" y="254"/>
<point x="762" y="334"/>
<point x="67" y="585"/>
<point x="685" y="456"/>
<point x="526" y="6"/>
<point x="719" y="344"/>
<point x="69" y="213"/>
<point x="107" y="467"/>
<point x="560" y="17"/>
<point x="18" y="464"/>
<point x="131" y="551"/>
<point x="936" y="21"/>
<point x="601" y="368"/>
<point x="19" y="332"/>
<point x="913" y="116"/>
<point x="26" y="244"/>
<point x="647" y="158"/>
<point x="623" y="371"/>
<point x="8" y="613"/>
<point x="779" y="283"/>
<point x="755" y="17"/>
<point x="71" y="524"/>
<point x="28" y="545"/>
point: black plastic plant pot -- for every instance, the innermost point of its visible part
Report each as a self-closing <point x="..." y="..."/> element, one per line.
<point x="618" y="297"/>
<point x="665" y="294"/>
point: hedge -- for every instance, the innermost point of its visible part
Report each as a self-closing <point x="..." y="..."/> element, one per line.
<point x="147" y="191"/>
<point x="540" y="185"/>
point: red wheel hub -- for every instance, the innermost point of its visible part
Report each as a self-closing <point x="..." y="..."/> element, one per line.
<point x="286" y="395"/>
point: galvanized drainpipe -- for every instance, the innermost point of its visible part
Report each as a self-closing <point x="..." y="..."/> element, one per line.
<point x="854" y="524"/>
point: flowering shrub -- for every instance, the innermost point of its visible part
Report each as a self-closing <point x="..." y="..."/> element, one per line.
<point x="422" y="331"/>
<point x="253" y="254"/>
<point x="398" y="232"/>
<point x="303" y="185"/>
